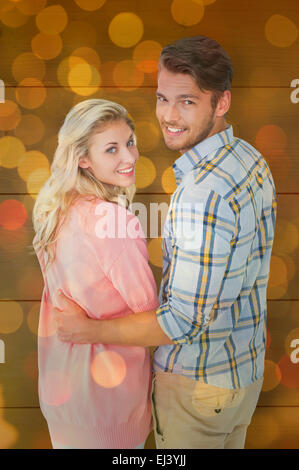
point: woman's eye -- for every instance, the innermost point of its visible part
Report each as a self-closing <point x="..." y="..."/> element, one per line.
<point x="188" y="102"/>
<point x="111" y="150"/>
<point x="131" y="143"/>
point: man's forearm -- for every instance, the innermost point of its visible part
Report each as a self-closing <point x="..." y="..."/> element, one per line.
<point x="136" y="329"/>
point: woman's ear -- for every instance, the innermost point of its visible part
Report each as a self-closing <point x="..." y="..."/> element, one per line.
<point x="84" y="163"/>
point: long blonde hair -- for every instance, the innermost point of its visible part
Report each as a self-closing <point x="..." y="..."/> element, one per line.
<point x="68" y="181"/>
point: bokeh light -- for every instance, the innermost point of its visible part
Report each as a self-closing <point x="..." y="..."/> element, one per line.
<point x="36" y="180"/>
<point x="126" y="29"/>
<point x="31" y="161"/>
<point x="50" y="145"/>
<point x="84" y="79"/>
<point x="293" y="335"/>
<point x="108" y="369"/>
<point x="90" y="5"/>
<point x="27" y="65"/>
<point x="271" y="140"/>
<point x="126" y="76"/>
<point x="13" y="214"/>
<point x="187" y="12"/>
<point x="289" y="372"/>
<point x="281" y="31"/>
<point x="30" y="129"/>
<point x="52" y="20"/>
<point x="63" y="70"/>
<point x="265" y="426"/>
<point x="154" y="247"/>
<point x="12" y="151"/>
<point x="146" y="56"/>
<point x="10" y="115"/>
<point x="31" y="7"/>
<point x="148" y="135"/>
<point x="30" y="93"/>
<point x="33" y="318"/>
<point x="80" y="72"/>
<point x="57" y="388"/>
<point x="83" y="55"/>
<point x="278" y="279"/>
<point x="272" y="376"/>
<point x="286" y="237"/>
<point x="168" y="180"/>
<point x="11" y="317"/>
<point x="6" y="5"/>
<point x="8" y="434"/>
<point x="46" y="46"/>
<point x="13" y="18"/>
<point x="290" y="265"/>
<point x="145" y="172"/>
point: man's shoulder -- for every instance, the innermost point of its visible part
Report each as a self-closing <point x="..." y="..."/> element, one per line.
<point x="227" y="168"/>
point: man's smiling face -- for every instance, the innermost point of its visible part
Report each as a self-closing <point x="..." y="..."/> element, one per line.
<point x="184" y="111"/>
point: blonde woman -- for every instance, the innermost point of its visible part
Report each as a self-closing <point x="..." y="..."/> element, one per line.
<point x="92" y="248"/>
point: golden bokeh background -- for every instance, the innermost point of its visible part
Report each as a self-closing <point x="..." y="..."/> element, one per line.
<point x="55" y="55"/>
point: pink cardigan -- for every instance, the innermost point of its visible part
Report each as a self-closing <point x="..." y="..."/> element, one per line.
<point x="97" y="396"/>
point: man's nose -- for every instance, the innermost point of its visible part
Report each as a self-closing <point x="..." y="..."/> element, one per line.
<point x="171" y="114"/>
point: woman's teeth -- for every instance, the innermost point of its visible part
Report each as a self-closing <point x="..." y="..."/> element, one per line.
<point x="129" y="170"/>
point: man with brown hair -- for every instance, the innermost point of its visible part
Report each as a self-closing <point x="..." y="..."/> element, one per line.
<point x="217" y="242"/>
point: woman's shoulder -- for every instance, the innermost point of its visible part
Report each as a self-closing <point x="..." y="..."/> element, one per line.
<point x="115" y="221"/>
<point x="105" y="219"/>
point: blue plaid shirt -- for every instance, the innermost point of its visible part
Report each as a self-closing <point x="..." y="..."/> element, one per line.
<point x="217" y="244"/>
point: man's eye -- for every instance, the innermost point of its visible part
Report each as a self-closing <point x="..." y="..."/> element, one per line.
<point x="161" y="98"/>
<point x="188" y="102"/>
<point x="111" y="150"/>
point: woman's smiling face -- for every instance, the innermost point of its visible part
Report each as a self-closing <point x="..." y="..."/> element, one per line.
<point x="112" y="154"/>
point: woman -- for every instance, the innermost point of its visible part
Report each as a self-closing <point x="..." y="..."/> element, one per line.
<point x="93" y="249"/>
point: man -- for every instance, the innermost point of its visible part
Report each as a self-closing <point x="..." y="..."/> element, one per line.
<point x="218" y="236"/>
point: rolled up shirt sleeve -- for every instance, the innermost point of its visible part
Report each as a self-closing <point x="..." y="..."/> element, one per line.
<point x="201" y="233"/>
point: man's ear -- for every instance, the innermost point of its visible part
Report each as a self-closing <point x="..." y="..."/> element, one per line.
<point x="84" y="162"/>
<point x="223" y="104"/>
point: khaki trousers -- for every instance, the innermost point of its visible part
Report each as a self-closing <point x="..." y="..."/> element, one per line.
<point x="192" y="415"/>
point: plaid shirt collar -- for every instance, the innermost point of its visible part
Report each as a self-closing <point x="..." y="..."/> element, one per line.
<point x="190" y="159"/>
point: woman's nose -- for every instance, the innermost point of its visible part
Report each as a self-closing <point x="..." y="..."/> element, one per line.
<point x="128" y="156"/>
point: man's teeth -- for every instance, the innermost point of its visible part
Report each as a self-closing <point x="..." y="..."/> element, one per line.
<point x="172" y="129"/>
<point x="126" y="171"/>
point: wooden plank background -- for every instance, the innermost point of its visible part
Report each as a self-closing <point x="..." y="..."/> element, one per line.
<point x="262" y="113"/>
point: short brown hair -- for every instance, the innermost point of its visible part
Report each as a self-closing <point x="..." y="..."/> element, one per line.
<point x="202" y="58"/>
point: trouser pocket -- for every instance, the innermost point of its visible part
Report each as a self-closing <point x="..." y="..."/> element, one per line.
<point x="209" y="400"/>
<point x="160" y="398"/>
